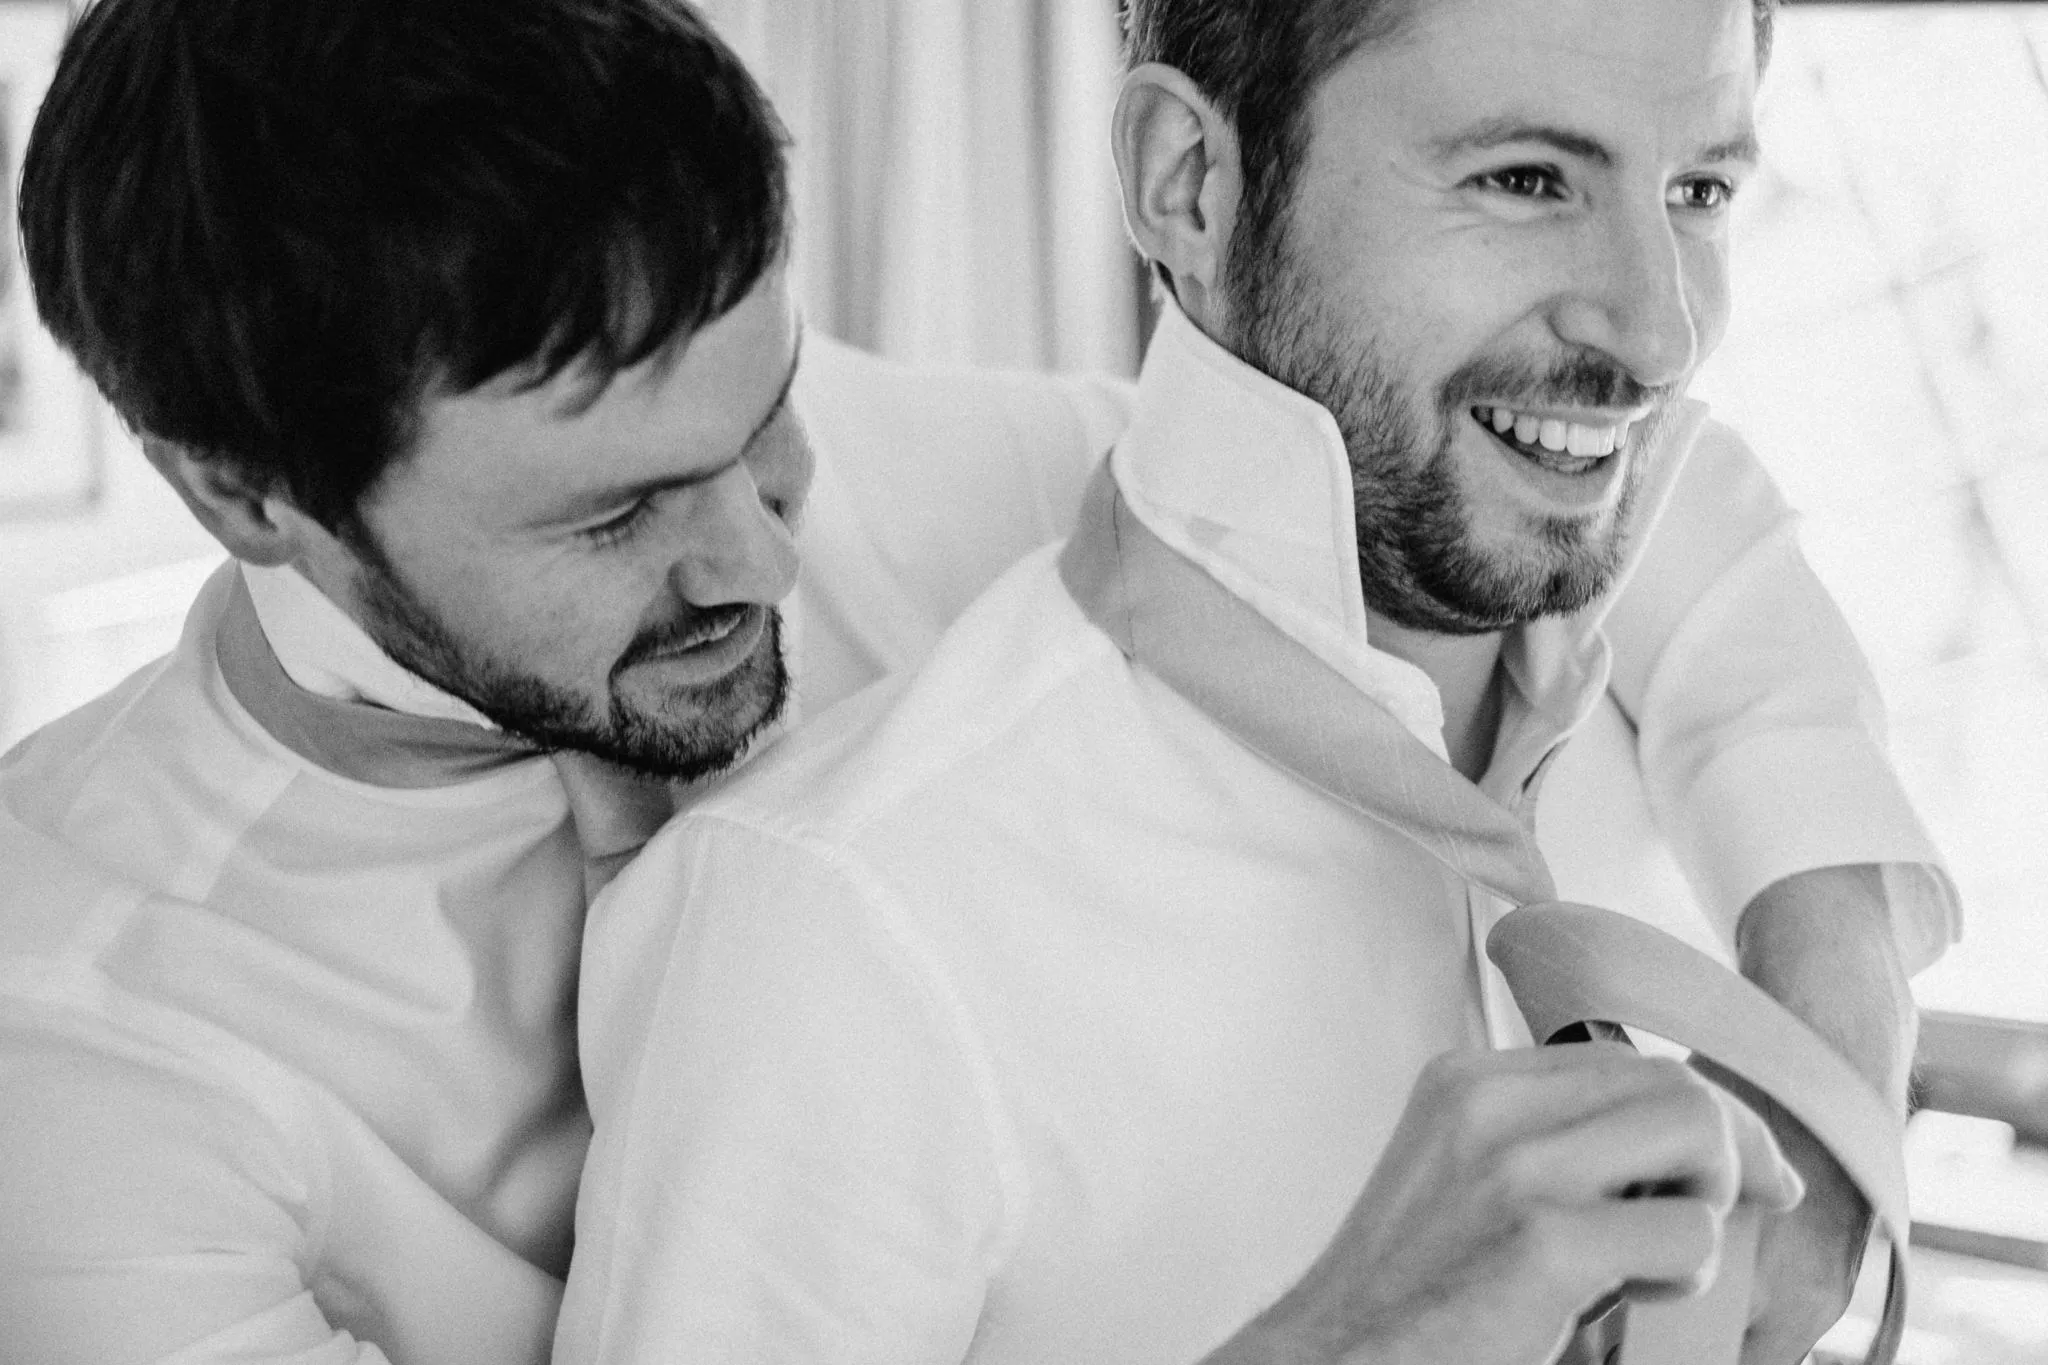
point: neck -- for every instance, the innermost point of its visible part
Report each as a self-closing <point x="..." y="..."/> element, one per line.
<point x="1466" y="671"/>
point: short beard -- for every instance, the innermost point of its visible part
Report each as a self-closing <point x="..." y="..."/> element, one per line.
<point x="698" y="732"/>
<point x="1418" y="561"/>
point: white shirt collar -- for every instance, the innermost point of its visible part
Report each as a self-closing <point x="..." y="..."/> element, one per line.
<point x="1251" y="480"/>
<point x="323" y="650"/>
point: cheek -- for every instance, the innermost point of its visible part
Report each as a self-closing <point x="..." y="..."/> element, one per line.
<point x="562" y="617"/>
<point x="583" y="616"/>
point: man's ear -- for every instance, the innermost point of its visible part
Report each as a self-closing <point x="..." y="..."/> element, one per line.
<point x="1177" y="162"/>
<point x="252" y="519"/>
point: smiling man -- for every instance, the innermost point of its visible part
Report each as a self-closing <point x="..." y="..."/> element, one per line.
<point x="464" y="326"/>
<point x="1058" y="1002"/>
<point x="524" y="558"/>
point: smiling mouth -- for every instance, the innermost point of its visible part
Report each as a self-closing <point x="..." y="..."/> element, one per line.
<point x="714" y="628"/>
<point x="712" y="631"/>
<point x="1558" y="446"/>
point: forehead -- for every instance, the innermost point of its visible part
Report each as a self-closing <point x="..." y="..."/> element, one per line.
<point x="519" y="454"/>
<point x="1625" y="69"/>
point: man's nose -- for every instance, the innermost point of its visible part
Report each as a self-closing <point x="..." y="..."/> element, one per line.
<point x="743" y="547"/>
<point x="1631" y="299"/>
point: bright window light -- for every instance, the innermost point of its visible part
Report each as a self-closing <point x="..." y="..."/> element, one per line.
<point x="1889" y="361"/>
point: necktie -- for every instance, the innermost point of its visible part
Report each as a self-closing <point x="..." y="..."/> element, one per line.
<point x="612" y="810"/>
<point x="1276" y="697"/>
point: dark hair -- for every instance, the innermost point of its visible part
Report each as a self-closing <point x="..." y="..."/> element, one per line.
<point x="269" y="229"/>
<point x="1261" y="62"/>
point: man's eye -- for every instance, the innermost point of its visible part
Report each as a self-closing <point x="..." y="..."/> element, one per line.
<point x="1525" y="182"/>
<point x="1702" y="194"/>
<point x="621" y="528"/>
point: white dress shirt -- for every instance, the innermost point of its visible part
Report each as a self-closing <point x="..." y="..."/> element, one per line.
<point x="1015" y="1012"/>
<point x="285" y="1059"/>
<point x="289" y="1058"/>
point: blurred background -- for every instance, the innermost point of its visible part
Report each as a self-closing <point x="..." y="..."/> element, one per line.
<point x="1888" y="360"/>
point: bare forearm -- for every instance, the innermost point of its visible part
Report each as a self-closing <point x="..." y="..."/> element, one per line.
<point x="1821" y="944"/>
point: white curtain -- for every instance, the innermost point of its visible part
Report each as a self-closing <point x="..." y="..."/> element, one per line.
<point x="955" y="196"/>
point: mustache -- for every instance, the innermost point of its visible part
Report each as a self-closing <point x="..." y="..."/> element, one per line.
<point x="681" y="633"/>
<point x="1583" y="379"/>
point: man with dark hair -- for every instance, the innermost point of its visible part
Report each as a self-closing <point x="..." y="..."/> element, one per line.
<point x="490" y="245"/>
<point x="1058" y="1002"/>
<point x="465" y="328"/>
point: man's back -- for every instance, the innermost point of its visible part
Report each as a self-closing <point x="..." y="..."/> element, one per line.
<point x="1023" y="1012"/>
<point x="1043" y="1016"/>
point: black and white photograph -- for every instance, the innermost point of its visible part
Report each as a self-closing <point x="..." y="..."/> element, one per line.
<point x="1024" y="682"/>
<point x="49" y="454"/>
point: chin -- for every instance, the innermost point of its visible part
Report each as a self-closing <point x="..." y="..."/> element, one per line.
<point x="700" y="730"/>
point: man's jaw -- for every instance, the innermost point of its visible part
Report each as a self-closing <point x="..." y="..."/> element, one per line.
<point x="689" y="730"/>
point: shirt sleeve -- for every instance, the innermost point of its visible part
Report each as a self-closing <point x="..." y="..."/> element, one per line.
<point x="792" y="1158"/>
<point x="150" y="1214"/>
<point x="1760" y="730"/>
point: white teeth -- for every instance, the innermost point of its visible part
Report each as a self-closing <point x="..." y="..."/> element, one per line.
<point x="718" y="631"/>
<point x="1584" y="441"/>
<point x="1574" y="438"/>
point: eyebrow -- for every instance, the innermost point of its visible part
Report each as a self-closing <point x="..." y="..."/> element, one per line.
<point x="1505" y="131"/>
<point x="1743" y="147"/>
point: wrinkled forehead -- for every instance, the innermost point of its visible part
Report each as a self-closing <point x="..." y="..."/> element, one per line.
<point x="1662" y="73"/>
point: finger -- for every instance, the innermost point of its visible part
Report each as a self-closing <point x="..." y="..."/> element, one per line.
<point x="1651" y="1247"/>
<point x="1586" y="1084"/>
<point x="1526" y="1092"/>
<point x="1670" y="1141"/>
<point x="1768" y="1179"/>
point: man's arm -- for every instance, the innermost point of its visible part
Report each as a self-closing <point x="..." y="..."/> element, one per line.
<point x="1760" y="732"/>
<point x="1761" y="739"/>
<point x="148" y="1212"/>
<point x="1822" y="943"/>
